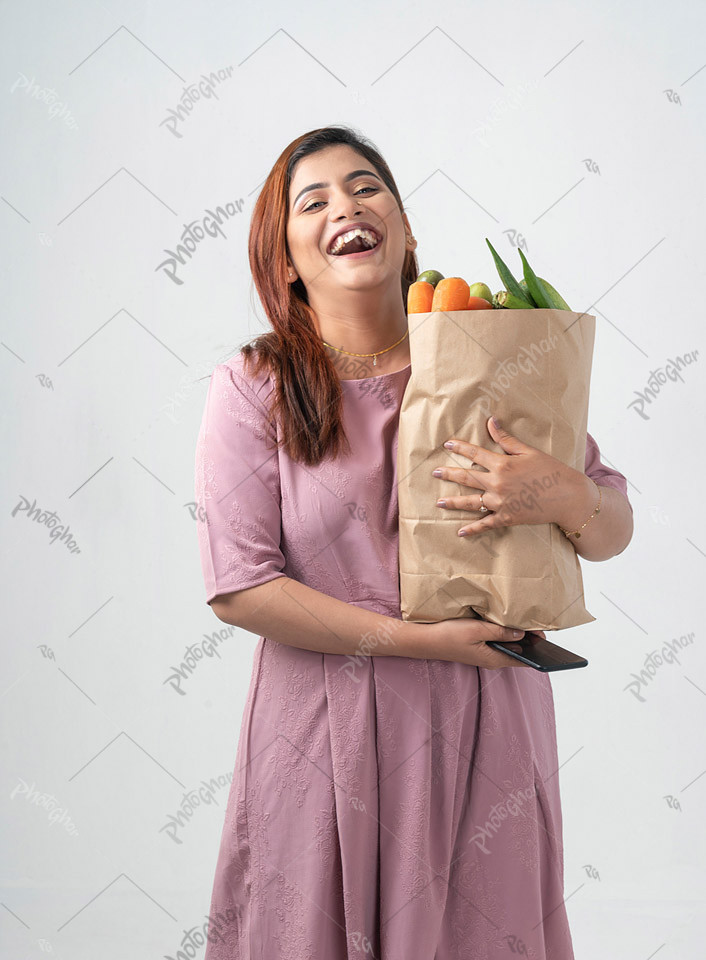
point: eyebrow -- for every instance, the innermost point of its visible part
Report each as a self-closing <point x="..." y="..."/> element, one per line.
<point x="349" y="176"/>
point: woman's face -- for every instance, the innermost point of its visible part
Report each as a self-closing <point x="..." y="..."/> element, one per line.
<point x="317" y="213"/>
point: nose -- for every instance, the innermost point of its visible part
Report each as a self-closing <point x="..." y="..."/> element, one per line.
<point x="345" y="206"/>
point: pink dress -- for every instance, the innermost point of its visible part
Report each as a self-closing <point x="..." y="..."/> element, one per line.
<point x="381" y="806"/>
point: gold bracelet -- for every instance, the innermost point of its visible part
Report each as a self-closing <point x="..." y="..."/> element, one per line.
<point x="576" y="533"/>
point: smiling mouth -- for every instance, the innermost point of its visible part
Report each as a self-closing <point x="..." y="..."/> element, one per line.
<point x="358" y="244"/>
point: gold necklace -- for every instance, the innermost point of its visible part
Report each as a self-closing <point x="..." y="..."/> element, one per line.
<point x="373" y="355"/>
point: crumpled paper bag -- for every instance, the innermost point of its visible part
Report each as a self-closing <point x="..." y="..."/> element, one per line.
<point x="532" y="369"/>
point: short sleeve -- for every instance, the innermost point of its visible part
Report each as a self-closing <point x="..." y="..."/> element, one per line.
<point x="237" y="488"/>
<point x="604" y="476"/>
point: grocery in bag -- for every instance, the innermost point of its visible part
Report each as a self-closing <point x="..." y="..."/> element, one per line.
<point x="531" y="367"/>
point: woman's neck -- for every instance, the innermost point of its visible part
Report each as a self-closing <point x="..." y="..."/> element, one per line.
<point x="357" y="368"/>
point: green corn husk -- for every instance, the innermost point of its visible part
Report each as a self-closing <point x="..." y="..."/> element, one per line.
<point x="511" y="285"/>
<point x="558" y="300"/>
<point x="535" y="285"/>
<point x="510" y="302"/>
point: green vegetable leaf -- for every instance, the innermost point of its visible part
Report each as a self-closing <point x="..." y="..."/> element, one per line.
<point x="535" y="285"/>
<point x="511" y="285"/>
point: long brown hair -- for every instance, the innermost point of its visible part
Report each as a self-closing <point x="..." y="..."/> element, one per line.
<point x="308" y="398"/>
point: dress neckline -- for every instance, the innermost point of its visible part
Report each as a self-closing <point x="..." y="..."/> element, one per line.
<point x="394" y="373"/>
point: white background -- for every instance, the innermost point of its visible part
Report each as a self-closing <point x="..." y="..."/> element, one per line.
<point x="578" y="127"/>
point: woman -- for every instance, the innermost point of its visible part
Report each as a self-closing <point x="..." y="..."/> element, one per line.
<point x="403" y="804"/>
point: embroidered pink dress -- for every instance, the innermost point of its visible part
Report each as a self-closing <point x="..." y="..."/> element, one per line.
<point x="381" y="806"/>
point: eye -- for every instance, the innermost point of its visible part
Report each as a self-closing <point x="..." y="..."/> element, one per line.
<point x="313" y="206"/>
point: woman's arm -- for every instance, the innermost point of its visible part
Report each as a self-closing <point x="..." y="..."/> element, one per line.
<point x="610" y="530"/>
<point x="296" y="615"/>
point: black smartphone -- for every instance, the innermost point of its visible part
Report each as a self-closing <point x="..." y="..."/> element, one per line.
<point x="540" y="653"/>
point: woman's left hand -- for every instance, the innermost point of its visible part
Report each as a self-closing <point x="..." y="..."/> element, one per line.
<point x="520" y="485"/>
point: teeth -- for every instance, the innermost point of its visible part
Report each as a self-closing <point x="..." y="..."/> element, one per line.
<point x="341" y="241"/>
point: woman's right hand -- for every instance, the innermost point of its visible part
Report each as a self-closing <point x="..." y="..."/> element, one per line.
<point x="464" y="641"/>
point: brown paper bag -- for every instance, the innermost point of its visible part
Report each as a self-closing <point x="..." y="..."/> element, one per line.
<point x="531" y="369"/>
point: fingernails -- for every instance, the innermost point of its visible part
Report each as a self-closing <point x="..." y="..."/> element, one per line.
<point x="436" y="473"/>
<point x="449" y="444"/>
<point x="517" y="633"/>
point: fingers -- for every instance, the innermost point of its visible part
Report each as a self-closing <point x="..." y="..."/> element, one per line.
<point x="527" y="633"/>
<point x="469" y="478"/>
<point x="496" y="631"/>
<point x="486" y="458"/>
<point x="497" y="659"/>
<point x="487" y="630"/>
<point x="469" y="502"/>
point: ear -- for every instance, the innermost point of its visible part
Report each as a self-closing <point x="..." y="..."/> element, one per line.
<point x="409" y="244"/>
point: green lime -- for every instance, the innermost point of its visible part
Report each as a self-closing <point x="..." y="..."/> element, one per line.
<point x="431" y="276"/>
<point x="481" y="290"/>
